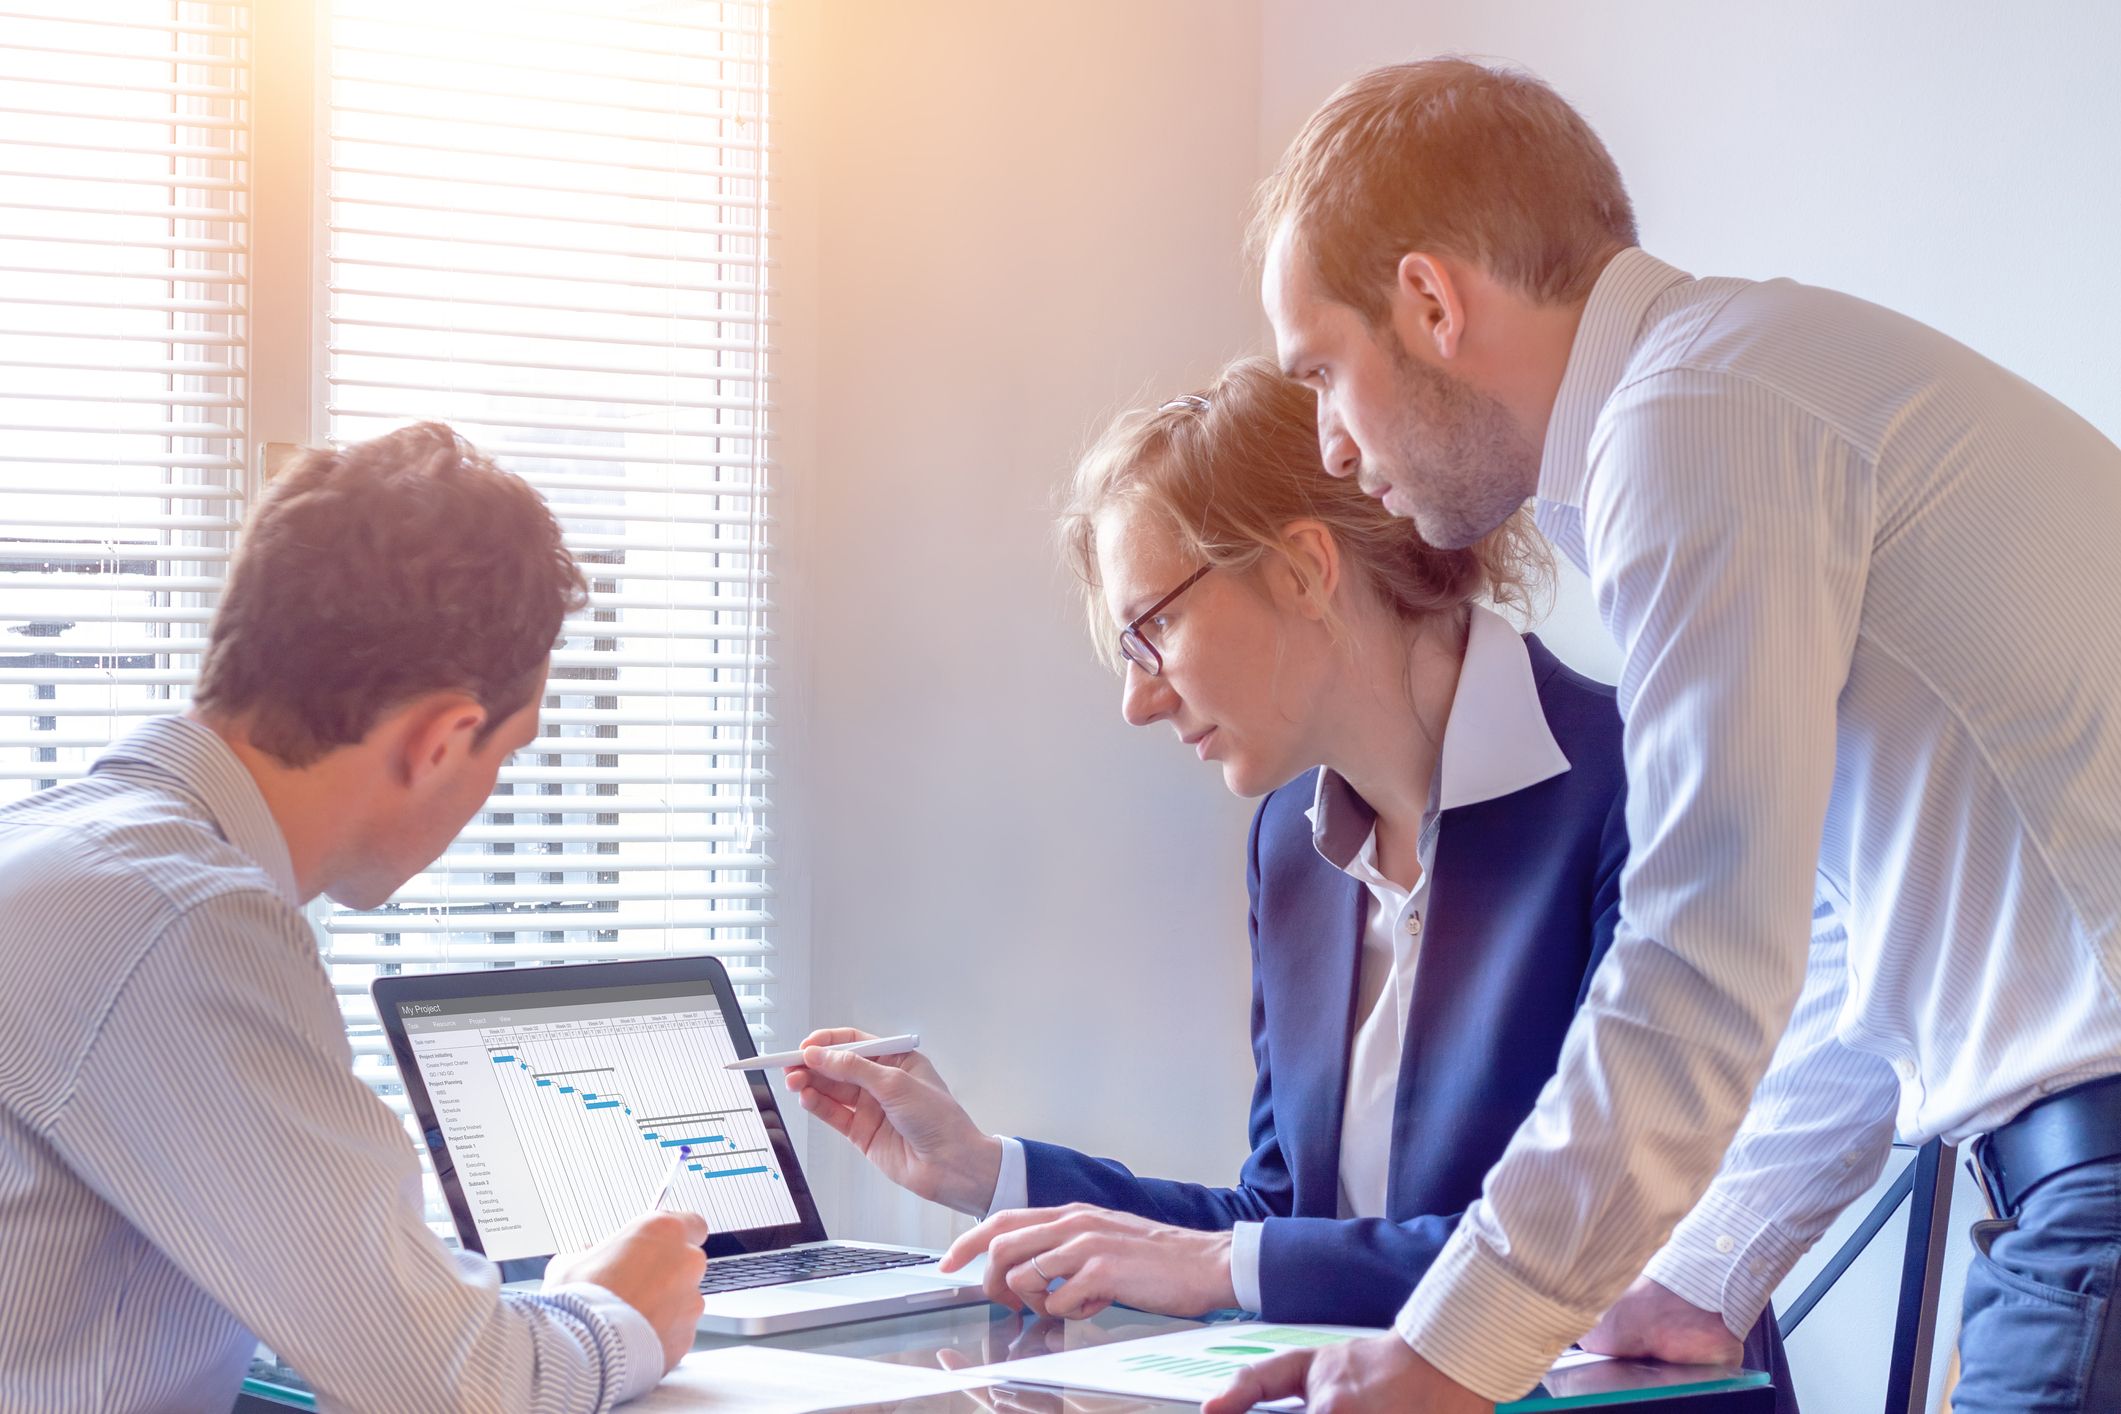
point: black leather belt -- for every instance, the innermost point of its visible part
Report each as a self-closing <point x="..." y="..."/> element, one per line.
<point x="2079" y="1126"/>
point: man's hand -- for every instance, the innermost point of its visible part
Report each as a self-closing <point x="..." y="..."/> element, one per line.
<point x="1099" y="1257"/>
<point x="1650" y="1321"/>
<point x="1379" y="1374"/>
<point x="903" y="1118"/>
<point x="653" y="1264"/>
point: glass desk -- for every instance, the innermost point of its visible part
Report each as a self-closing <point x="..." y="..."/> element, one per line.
<point x="979" y="1335"/>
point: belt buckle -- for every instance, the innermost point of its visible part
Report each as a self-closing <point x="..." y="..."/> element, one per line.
<point x="1990" y="1183"/>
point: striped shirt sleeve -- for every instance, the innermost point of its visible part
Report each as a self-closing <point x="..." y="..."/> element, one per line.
<point x="288" y="1192"/>
<point x="1728" y="534"/>
<point x="1816" y="1136"/>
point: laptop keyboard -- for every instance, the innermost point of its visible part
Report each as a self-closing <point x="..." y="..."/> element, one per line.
<point x="802" y="1264"/>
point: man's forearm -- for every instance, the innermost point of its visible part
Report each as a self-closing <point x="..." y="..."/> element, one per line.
<point x="1563" y="1228"/>
<point x="1818" y="1132"/>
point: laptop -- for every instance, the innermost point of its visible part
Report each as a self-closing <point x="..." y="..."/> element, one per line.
<point x="557" y="1101"/>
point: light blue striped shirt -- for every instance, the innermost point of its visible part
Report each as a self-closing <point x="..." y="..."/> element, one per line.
<point x="187" y="1161"/>
<point x="1863" y="585"/>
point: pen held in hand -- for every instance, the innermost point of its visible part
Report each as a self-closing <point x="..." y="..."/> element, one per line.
<point x="670" y="1179"/>
<point x="882" y="1046"/>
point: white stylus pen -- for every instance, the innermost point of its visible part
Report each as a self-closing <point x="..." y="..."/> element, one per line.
<point x="882" y="1046"/>
<point x="670" y="1179"/>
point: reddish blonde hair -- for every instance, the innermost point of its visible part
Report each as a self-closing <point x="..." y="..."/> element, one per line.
<point x="1228" y="469"/>
<point x="1452" y="157"/>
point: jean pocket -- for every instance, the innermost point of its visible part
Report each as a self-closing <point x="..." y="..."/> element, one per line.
<point x="1985" y="1232"/>
<point x="2024" y="1347"/>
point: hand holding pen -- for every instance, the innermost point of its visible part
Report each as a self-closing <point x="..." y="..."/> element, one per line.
<point x="900" y="1114"/>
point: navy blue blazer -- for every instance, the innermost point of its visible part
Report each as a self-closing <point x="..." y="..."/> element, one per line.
<point x="1524" y="894"/>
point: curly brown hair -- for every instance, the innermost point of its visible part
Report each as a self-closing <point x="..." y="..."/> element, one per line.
<point x="371" y="575"/>
<point x="1227" y="469"/>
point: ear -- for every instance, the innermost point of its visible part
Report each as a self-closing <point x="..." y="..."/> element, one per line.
<point x="1311" y="567"/>
<point x="433" y="731"/>
<point x="1428" y="307"/>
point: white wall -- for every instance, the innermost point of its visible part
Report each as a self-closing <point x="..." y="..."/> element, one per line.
<point x="1951" y="160"/>
<point x="1005" y="222"/>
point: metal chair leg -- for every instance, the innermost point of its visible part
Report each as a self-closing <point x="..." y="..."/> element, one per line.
<point x="1928" y="1180"/>
<point x="1929" y="1217"/>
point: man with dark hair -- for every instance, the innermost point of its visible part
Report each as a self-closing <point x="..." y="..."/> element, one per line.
<point x="187" y="1162"/>
<point x="1875" y="869"/>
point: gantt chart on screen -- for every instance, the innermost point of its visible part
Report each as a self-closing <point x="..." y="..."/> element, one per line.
<point x="564" y="1120"/>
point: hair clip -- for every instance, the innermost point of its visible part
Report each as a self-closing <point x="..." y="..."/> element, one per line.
<point x="1186" y="400"/>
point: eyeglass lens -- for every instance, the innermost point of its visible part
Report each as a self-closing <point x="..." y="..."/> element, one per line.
<point x="1138" y="651"/>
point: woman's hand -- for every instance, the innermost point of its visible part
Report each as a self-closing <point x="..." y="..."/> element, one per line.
<point x="1099" y="1257"/>
<point x="901" y="1115"/>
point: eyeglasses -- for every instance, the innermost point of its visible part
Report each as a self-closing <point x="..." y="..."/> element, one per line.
<point x="1135" y="646"/>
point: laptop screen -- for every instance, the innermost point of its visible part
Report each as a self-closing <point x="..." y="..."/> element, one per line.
<point x="565" y="1111"/>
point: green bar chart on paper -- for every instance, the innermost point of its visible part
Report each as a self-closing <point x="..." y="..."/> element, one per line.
<point x="1190" y="1365"/>
<point x="1231" y="1354"/>
<point x="1186" y="1365"/>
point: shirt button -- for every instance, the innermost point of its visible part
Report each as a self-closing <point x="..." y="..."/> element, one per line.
<point x="1906" y="1069"/>
<point x="1414" y="924"/>
<point x="1724" y="1244"/>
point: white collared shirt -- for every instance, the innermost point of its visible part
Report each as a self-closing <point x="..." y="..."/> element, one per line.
<point x="1827" y="541"/>
<point x="1384" y="990"/>
<point x="1496" y="741"/>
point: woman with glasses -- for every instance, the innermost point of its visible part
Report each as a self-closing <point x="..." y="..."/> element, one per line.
<point x="1434" y="875"/>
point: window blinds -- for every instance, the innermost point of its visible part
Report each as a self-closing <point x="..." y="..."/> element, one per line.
<point x="547" y="226"/>
<point x="124" y="171"/>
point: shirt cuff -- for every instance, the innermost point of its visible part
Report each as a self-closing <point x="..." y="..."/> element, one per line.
<point x="1478" y="1323"/>
<point x="1724" y="1257"/>
<point x="1012" y="1186"/>
<point x="642" y="1346"/>
<point x="1244" y="1264"/>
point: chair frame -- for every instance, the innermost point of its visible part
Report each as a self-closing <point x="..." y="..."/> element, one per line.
<point x="1928" y="1183"/>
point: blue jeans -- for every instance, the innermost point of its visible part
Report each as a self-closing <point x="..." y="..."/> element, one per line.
<point x="2040" y="1332"/>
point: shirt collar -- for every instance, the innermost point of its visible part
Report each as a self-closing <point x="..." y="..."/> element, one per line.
<point x="1495" y="743"/>
<point x="192" y="757"/>
<point x="1606" y="337"/>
